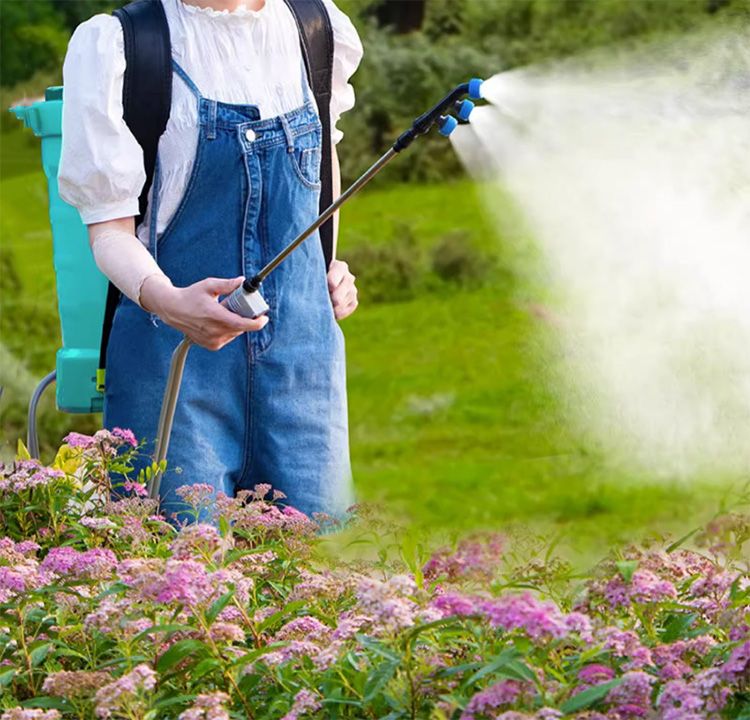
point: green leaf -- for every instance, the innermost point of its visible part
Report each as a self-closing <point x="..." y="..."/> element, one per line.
<point x="21" y="451"/>
<point x="458" y="669"/>
<point x="444" y="622"/>
<point x="677" y="543"/>
<point x="287" y="610"/>
<point x="677" y="627"/>
<point x="47" y="703"/>
<point x="379" y="678"/>
<point x="178" y="652"/>
<point x="627" y="568"/>
<point x="505" y="658"/>
<point x="204" y="667"/>
<point x="378" y="648"/>
<point x="174" y="700"/>
<point x="255" y="654"/>
<point x="589" y="697"/>
<point x="171" y="628"/>
<point x="218" y="606"/>
<point x="6" y="677"/>
<point x="38" y="654"/>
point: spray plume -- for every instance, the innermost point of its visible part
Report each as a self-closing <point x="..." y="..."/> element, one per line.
<point x="631" y="169"/>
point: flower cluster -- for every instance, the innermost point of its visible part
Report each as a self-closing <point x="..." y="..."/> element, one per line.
<point x="107" y="610"/>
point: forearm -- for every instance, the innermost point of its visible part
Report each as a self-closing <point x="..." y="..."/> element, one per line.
<point x="123" y="258"/>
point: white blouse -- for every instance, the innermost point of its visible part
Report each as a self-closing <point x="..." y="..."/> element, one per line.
<point x="241" y="56"/>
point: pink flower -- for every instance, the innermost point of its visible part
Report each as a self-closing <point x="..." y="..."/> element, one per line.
<point x="388" y="603"/>
<point x="209" y="706"/>
<point x="595" y="674"/>
<point x="454" y="603"/>
<point x="19" y="713"/>
<point x="709" y="684"/>
<point x="633" y="695"/>
<point x="226" y="632"/>
<point x="97" y="563"/>
<point x="136" y="488"/>
<point x="625" y="644"/>
<point x="183" y="582"/>
<point x="537" y="619"/>
<point x="126" y="695"/>
<point x="349" y="625"/>
<point x="74" y="684"/>
<point x="493" y="698"/>
<point x="198" y="540"/>
<point x="126" y="436"/>
<point x="305" y="702"/>
<point x="303" y="628"/>
<point x="739" y="662"/>
<point x="77" y="440"/>
<point x="197" y="496"/>
<point x="677" y="700"/>
<point x="474" y="557"/>
<point x="26" y="475"/>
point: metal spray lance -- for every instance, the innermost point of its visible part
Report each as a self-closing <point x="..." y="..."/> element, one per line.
<point x="247" y="299"/>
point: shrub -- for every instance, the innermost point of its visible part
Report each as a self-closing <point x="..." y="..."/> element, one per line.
<point x="456" y="259"/>
<point x="110" y="610"/>
<point x="388" y="273"/>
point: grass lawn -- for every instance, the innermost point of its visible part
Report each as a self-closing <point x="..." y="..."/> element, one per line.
<point x="455" y="422"/>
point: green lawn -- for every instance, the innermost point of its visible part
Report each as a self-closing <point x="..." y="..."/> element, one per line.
<point x="455" y="422"/>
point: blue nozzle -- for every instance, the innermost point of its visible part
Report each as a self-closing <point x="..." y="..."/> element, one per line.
<point x="475" y="88"/>
<point x="447" y="125"/>
<point x="463" y="109"/>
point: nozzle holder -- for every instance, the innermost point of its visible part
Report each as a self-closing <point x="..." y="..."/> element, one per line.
<point x="425" y="121"/>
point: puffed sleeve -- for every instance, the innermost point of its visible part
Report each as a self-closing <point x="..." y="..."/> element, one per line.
<point x="347" y="54"/>
<point x="101" y="166"/>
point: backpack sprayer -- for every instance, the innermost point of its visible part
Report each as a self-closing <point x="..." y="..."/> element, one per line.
<point x="247" y="300"/>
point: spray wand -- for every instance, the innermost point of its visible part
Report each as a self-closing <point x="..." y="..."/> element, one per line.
<point x="247" y="300"/>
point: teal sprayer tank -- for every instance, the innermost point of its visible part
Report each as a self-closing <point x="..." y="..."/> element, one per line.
<point x="81" y="288"/>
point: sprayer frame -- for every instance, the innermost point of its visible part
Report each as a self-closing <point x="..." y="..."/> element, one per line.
<point x="420" y="126"/>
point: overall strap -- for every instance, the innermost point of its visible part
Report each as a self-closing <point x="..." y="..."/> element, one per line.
<point x="146" y="100"/>
<point x="316" y="39"/>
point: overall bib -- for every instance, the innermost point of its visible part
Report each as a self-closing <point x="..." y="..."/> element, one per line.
<point x="269" y="407"/>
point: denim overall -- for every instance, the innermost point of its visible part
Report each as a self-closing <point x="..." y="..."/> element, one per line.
<point x="269" y="407"/>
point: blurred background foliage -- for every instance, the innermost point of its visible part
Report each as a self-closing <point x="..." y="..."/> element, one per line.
<point x="415" y="50"/>
<point x="454" y="410"/>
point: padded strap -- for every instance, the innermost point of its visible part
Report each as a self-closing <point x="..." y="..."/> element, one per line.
<point x="316" y="36"/>
<point x="147" y="88"/>
<point x="146" y="99"/>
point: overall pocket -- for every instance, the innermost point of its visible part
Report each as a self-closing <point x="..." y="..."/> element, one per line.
<point x="306" y="158"/>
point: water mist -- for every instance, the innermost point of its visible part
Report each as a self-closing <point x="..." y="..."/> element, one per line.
<point x="631" y="170"/>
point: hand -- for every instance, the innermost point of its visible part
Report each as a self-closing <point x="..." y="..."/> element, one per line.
<point x="194" y="310"/>
<point x="342" y="289"/>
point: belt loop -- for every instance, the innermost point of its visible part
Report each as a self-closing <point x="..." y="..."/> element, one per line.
<point x="211" y="131"/>
<point x="288" y="134"/>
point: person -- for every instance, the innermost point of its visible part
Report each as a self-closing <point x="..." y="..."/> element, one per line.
<point x="237" y="177"/>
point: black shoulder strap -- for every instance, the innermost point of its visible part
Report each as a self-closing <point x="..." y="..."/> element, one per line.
<point x="146" y="99"/>
<point x="316" y="36"/>
<point x="147" y="87"/>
